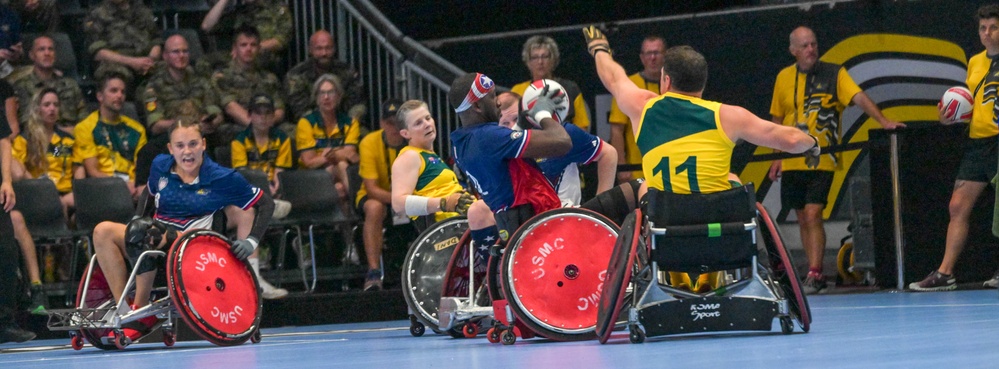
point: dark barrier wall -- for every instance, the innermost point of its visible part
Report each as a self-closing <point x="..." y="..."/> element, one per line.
<point x="928" y="161"/>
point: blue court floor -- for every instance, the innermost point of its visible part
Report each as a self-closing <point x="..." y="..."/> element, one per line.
<point x="873" y="330"/>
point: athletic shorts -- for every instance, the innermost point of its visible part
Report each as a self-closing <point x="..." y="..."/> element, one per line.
<point x="800" y="187"/>
<point x="979" y="161"/>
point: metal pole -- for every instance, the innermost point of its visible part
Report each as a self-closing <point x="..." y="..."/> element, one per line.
<point x="896" y="193"/>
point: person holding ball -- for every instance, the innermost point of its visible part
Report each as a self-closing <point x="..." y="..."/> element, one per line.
<point x="978" y="165"/>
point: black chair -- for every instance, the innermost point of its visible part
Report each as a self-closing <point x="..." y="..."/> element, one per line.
<point x="101" y="199"/>
<point x="313" y="203"/>
<point x="43" y="214"/>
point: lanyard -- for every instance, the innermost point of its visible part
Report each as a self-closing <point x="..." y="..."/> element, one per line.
<point x="992" y="64"/>
<point x="809" y="78"/>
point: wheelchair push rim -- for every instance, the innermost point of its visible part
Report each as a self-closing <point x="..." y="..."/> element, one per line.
<point x="426" y="266"/>
<point x="212" y="290"/>
<point x="784" y="270"/>
<point x="619" y="271"/>
<point x="554" y="269"/>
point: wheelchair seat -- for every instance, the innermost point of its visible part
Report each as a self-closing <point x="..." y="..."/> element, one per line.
<point x="700" y="233"/>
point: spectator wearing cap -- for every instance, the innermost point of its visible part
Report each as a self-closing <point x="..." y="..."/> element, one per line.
<point x="378" y="151"/>
<point x="327" y="138"/>
<point x="262" y="146"/>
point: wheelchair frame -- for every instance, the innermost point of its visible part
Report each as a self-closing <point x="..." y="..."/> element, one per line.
<point x="93" y="323"/>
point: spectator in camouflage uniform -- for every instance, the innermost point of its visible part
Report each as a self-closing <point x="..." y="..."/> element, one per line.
<point x="322" y="60"/>
<point x="270" y="17"/>
<point x="122" y="35"/>
<point x="242" y="79"/>
<point x="175" y="92"/>
<point x="43" y="74"/>
<point x="174" y="83"/>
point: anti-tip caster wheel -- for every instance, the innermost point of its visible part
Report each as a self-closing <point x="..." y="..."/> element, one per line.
<point x="255" y="337"/>
<point x="508" y="337"/>
<point x="470" y="330"/>
<point x="169" y="338"/>
<point x="76" y="342"/>
<point x="635" y="334"/>
<point x="120" y="339"/>
<point x="417" y="329"/>
<point x="786" y="324"/>
<point x="493" y="335"/>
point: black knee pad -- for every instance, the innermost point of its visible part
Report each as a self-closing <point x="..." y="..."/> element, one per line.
<point x="617" y="202"/>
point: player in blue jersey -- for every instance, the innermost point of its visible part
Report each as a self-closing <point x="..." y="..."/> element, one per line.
<point x="186" y="190"/>
<point x="498" y="161"/>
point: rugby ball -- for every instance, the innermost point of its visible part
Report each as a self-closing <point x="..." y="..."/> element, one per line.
<point x="955" y="105"/>
<point x="534" y="90"/>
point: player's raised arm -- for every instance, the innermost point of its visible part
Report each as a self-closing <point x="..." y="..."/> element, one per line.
<point x="630" y="98"/>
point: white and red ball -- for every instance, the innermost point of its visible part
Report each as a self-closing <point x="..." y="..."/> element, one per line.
<point x="956" y="105"/>
<point x="532" y="92"/>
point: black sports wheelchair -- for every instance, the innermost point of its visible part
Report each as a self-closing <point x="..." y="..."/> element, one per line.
<point x="700" y="233"/>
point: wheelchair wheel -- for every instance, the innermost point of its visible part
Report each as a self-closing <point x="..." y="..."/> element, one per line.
<point x="456" y="274"/>
<point x="426" y="266"/>
<point x="97" y="294"/>
<point x="618" y="275"/>
<point x="844" y="264"/>
<point x="783" y="269"/>
<point x="215" y="293"/>
<point x="553" y="271"/>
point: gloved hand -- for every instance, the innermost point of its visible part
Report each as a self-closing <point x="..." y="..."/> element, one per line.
<point x="812" y="155"/>
<point x="464" y="201"/>
<point x="595" y="40"/>
<point x="545" y="105"/>
<point x="244" y="248"/>
<point x="146" y="233"/>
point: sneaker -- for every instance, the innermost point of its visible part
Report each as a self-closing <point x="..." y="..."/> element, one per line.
<point x="38" y="300"/>
<point x="935" y="282"/>
<point x="993" y="282"/>
<point x="12" y="333"/>
<point x="373" y="281"/>
<point x="813" y="284"/>
<point x="269" y="292"/>
<point x="134" y="331"/>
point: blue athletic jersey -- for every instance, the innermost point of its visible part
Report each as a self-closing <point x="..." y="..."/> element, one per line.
<point x="482" y="152"/>
<point x="585" y="147"/>
<point x="186" y="206"/>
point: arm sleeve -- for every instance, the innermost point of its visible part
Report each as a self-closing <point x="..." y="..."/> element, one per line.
<point x="353" y="134"/>
<point x="776" y="107"/>
<point x="283" y="159"/>
<point x="369" y="151"/>
<point x="616" y="115"/>
<point x="846" y="88"/>
<point x="585" y="146"/>
<point x="503" y="142"/>
<point x="241" y="193"/>
<point x="84" y="147"/>
<point x="19" y="148"/>
<point x="582" y="116"/>
<point x="304" y="140"/>
<point x="238" y="153"/>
